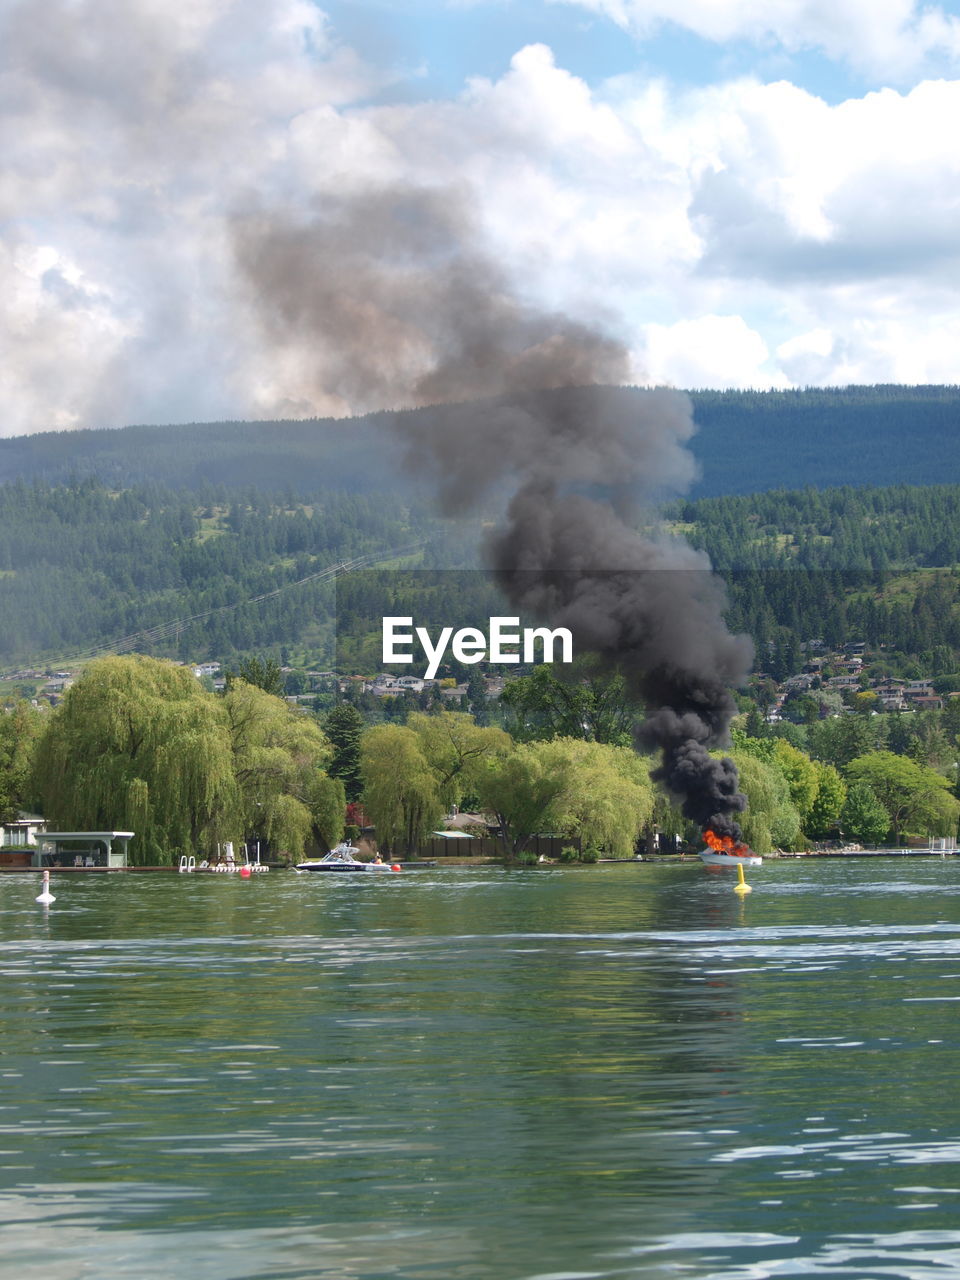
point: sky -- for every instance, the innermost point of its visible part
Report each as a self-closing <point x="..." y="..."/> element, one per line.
<point x="741" y="193"/>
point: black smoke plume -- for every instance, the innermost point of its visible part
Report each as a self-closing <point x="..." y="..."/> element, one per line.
<point x="657" y="618"/>
<point x="390" y="300"/>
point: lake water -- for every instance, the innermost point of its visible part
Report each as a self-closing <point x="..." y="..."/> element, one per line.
<point x="476" y="1074"/>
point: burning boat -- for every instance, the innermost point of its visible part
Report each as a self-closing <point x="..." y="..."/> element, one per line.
<point x="724" y="851"/>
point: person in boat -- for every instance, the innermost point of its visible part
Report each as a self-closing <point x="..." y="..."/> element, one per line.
<point x="377" y="859"/>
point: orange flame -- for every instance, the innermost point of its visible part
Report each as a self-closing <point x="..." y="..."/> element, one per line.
<point x="725" y="844"/>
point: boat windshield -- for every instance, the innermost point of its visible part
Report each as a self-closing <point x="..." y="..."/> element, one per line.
<point x="342" y="853"/>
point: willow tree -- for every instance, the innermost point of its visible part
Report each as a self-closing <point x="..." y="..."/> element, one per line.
<point x="20" y="728"/>
<point x="283" y="793"/>
<point x="601" y="793"/>
<point x="456" y="748"/>
<point x="137" y="744"/>
<point x="771" y="819"/>
<point x="400" y="790"/>
<point x="609" y="796"/>
<point x="526" y="789"/>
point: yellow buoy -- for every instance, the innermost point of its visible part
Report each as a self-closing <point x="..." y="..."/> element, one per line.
<point x="741" y="886"/>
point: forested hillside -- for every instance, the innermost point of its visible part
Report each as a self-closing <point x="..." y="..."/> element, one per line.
<point x="82" y="566"/>
<point x="215" y="574"/>
<point x="750" y="441"/>
<point x="898" y="526"/>
<point x="747" y="441"/>
<point x="876" y="565"/>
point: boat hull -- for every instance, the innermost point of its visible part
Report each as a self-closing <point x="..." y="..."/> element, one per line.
<point x="731" y="859"/>
<point x="341" y="867"/>
<point x="342" y="858"/>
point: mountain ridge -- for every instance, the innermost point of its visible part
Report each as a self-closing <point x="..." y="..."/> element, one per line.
<point x="746" y="442"/>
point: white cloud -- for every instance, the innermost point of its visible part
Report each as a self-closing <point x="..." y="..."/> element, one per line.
<point x="130" y="130"/>
<point x="711" y="351"/>
<point x="751" y="212"/>
<point x="744" y="234"/>
<point x="895" y="38"/>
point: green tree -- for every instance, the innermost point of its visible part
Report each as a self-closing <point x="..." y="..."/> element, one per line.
<point x="760" y="748"/>
<point x="866" y="702"/>
<point x="455" y="748"/>
<point x="930" y="744"/>
<point x="593" y="790"/>
<point x="801" y="775"/>
<point x="327" y="803"/>
<point x="278" y="759"/>
<point x="795" y="734"/>
<point x="400" y="790"/>
<point x="524" y="789"/>
<point x="476" y="696"/>
<point x="667" y="817"/>
<point x="824" y="815"/>
<point x="586" y="703"/>
<point x="608" y="799"/>
<point x="771" y="820"/>
<point x="265" y="673"/>
<point x="841" y="739"/>
<point x="295" y="683"/>
<point x="344" y="729"/>
<point x="802" y="708"/>
<point x="915" y="797"/>
<point x="138" y="745"/>
<point x="950" y="720"/>
<point x="20" y="728"/>
<point x="863" y="817"/>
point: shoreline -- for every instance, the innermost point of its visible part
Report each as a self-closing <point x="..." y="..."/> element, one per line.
<point x="438" y="864"/>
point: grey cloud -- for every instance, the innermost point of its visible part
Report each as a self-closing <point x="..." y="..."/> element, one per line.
<point x="881" y="230"/>
<point x="388" y="298"/>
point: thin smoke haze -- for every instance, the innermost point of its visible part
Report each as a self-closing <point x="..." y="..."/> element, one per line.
<point x="388" y="299"/>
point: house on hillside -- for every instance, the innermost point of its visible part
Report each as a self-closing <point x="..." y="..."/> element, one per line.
<point x="931" y="702"/>
<point x="891" y="696"/>
<point x="799" y="684"/>
<point x="843" y="682"/>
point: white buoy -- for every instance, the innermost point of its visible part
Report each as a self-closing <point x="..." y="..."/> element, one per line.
<point x="46" y="897"/>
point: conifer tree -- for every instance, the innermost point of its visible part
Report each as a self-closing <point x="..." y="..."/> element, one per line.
<point x="344" y="729"/>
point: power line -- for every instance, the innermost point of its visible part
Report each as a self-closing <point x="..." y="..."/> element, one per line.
<point x="151" y="635"/>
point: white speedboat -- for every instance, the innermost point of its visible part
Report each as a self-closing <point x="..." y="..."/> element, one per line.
<point x="343" y="858"/>
<point x="747" y="859"/>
